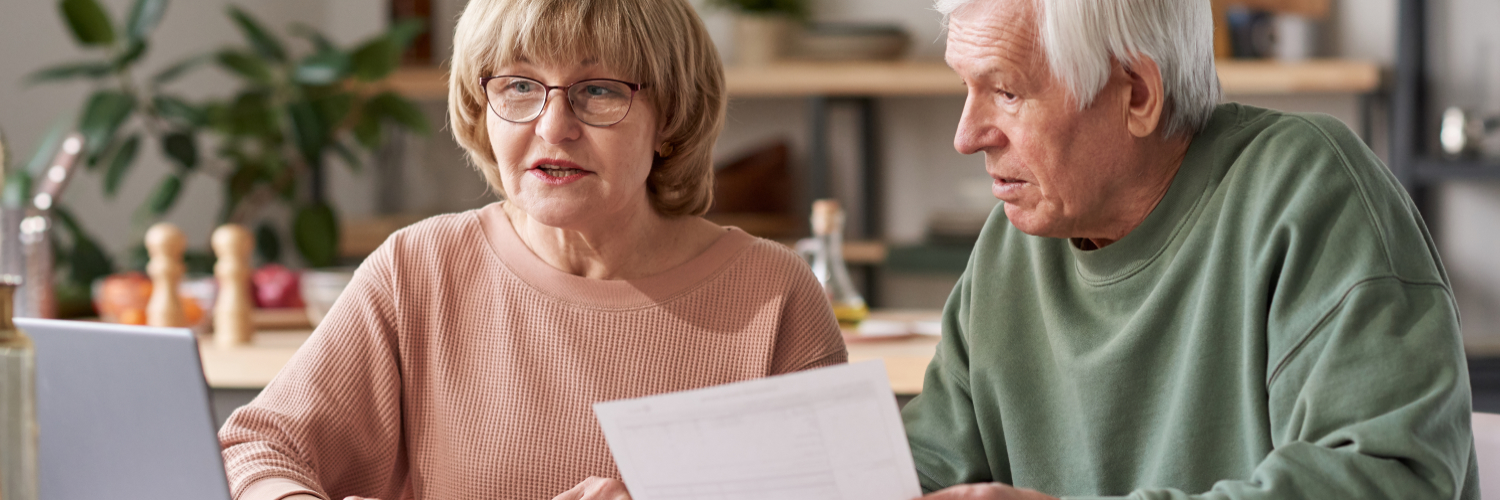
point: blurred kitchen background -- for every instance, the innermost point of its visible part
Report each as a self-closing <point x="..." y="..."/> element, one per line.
<point x="875" y="133"/>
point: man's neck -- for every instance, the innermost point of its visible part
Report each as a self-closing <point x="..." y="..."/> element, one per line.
<point x="1166" y="157"/>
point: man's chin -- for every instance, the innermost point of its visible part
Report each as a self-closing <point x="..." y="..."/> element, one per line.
<point x="1029" y="222"/>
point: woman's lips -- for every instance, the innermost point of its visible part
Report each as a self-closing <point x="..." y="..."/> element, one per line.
<point x="557" y="172"/>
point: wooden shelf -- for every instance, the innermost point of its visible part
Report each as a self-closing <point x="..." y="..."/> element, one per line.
<point x="924" y="78"/>
<point x="1315" y="76"/>
<point x="794" y="79"/>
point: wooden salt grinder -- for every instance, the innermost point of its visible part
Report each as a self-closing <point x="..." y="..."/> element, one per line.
<point x="165" y="244"/>
<point x="232" y="325"/>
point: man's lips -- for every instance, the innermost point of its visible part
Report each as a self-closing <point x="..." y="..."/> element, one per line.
<point x="1007" y="188"/>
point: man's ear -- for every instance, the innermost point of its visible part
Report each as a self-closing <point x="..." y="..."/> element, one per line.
<point x="1146" y="103"/>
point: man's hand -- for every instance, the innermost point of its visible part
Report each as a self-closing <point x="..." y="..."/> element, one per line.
<point x="986" y="491"/>
<point x="596" y="488"/>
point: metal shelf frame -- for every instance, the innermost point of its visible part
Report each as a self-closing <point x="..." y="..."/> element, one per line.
<point x="1413" y="160"/>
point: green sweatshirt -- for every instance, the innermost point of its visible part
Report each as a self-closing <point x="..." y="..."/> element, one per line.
<point x="1278" y="327"/>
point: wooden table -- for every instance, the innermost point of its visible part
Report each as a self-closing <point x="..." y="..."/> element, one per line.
<point x="253" y="366"/>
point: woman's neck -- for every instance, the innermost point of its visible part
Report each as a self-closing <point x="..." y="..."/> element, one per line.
<point x="634" y="245"/>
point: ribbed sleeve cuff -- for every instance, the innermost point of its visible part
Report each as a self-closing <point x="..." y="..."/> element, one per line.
<point x="275" y="488"/>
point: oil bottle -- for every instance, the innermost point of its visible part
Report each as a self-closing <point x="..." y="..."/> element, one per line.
<point x="826" y="249"/>
<point x="18" y="432"/>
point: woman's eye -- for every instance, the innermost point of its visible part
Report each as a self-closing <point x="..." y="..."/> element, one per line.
<point x="522" y="87"/>
<point x="596" y="91"/>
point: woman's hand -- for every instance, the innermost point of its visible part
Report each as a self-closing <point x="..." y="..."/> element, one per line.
<point x="986" y="491"/>
<point x="596" y="488"/>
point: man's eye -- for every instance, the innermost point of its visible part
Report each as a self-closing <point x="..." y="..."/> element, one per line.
<point x="1006" y="95"/>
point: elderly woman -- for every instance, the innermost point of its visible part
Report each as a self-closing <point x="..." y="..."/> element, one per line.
<point x="462" y="360"/>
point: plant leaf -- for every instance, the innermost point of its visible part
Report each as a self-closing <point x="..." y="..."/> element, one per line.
<point x="88" y="22"/>
<point x="315" y="231"/>
<point x="144" y="17"/>
<point x="347" y="155"/>
<point x="247" y="66"/>
<point x="404" y="31"/>
<point x="178" y="69"/>
<point x="309" y="131"/>
<point x="86" y="261"/>
<point x="251" y="115"/>
<point x="164" y="196"/>
<point x="367" y="129"/>
<point x="267" y="243"/>
<point x="322" y="68"/>
<point x="17" y="189"/>
<point x="333" y="109"/>
<point x="319" y="42"/>
<point x="260" y="39"/>
<point x="64" y="219"/>
<point x="395" y="107"/>
<point x="102" y="116"/>
<point x="182" y="148"/>
<point x="88" y="69"/>
<point x="179" y="110"/>
<point x="132" y="53"/>
<point x="239" y="185"/>
<point x="119" y="163"/>
<point x="375" y="59"/>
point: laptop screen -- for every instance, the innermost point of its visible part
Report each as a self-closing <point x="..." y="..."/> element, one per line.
<point x="122" y="412"/>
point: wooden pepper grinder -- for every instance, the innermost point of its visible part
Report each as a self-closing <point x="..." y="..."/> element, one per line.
<point x="232" y="244"/>
<point x="165" y="244"/>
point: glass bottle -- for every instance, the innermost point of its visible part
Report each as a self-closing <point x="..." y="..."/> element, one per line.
<point x="17" y="402"/>
<point x="826" y="250"/>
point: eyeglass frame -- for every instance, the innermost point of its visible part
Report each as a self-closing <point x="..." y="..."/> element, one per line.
<point x="484" y="86"/>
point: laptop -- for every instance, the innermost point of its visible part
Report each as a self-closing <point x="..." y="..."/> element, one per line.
<point x="122" y="412"/>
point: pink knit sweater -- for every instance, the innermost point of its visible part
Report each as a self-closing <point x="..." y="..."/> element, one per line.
<point x="459" y="365"/>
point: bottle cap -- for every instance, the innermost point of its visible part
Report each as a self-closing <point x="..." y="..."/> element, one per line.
<point x="826" y="216"/>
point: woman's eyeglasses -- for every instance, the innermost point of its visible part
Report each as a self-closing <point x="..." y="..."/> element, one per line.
<point x="599" y="102"/>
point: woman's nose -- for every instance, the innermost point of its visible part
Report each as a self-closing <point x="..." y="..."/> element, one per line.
<point x="557" y="124"/>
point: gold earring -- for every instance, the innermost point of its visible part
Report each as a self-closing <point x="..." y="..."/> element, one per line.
<point x="665" y="150"/>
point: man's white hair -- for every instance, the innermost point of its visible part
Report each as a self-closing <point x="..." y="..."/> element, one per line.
<point x="1082" y="37"/>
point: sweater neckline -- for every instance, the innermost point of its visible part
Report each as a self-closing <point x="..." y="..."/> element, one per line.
<point x="1146" y="242"/>
<point x="605" y="294"/>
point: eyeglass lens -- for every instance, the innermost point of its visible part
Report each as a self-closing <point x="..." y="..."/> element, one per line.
<point x="595" y="102"/>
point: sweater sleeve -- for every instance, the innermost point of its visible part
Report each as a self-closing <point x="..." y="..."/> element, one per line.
<point x="809" y="336"/>
<point x="330" y="422"/>
<point x="1375" y="403"/>
<point x="947" y="441"/>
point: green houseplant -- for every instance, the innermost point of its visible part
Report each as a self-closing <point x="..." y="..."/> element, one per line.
<point x="271" y="139"/>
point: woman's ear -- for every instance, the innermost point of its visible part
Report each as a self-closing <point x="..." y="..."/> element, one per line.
<point x="1146" y="102"/>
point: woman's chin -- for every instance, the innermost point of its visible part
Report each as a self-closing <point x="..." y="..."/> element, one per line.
<point x="565" y="212"/>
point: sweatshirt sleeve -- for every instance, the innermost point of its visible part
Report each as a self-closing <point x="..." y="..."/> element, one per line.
<point x="1375" y="403"/>
<point x="809" y="336"/>
<point x="948" y="443"/>
<point x="330" y="422"/>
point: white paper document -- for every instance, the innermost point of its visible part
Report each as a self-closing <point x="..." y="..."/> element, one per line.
<point x="830" y="433"/>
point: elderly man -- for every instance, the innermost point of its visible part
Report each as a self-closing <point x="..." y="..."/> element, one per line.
<point x="1179" y="299"/>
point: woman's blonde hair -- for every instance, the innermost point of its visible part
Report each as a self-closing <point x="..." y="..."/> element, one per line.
<point x="660" y="44"/>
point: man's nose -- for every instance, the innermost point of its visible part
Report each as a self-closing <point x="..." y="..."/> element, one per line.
<point x="557" y="124"/>
<point x="978" y="130"/>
